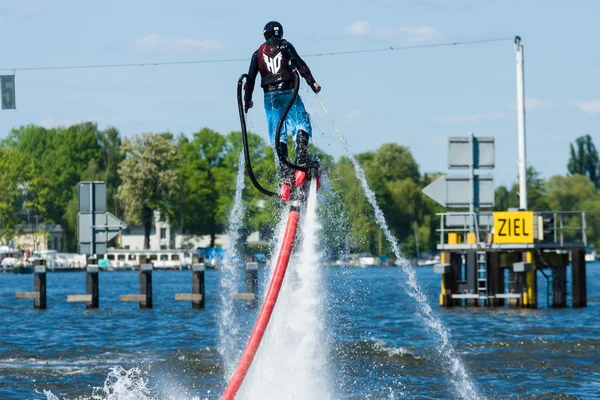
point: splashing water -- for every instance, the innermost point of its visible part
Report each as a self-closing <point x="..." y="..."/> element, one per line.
<point x="228" y="328"/>
<point x="460" y="378"/>
<point x="291" y="361"/>
<point x="129" y="384"/>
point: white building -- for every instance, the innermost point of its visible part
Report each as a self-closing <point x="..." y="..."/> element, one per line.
<point x="164" y="236"/>
<point x="45" y="237"/>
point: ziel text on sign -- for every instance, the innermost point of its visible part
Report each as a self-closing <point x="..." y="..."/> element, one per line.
<point x="513" y="227"/>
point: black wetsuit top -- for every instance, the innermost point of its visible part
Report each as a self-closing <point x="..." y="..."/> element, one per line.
<point x="275" y="60"/>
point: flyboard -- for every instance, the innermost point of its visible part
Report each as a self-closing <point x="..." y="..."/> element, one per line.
<point x="297" y="200"/>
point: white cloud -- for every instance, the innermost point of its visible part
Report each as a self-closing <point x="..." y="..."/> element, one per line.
<point x="357" y="28"/>
<point x="451" y="4"/>
<point x="471" y="118"/>
<point x="537" y="104"/>
<point x="592" y="106"/>
<point x="418" y="33"/>
<point x="534" y="105"/>
<point x="48" y="122"/>
<point x="412" y="34"/>
<point x="154" y="42"/>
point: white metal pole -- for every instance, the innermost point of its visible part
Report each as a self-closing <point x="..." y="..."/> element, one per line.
<point x="521" y="124"/>
<point x="472" y="181"/>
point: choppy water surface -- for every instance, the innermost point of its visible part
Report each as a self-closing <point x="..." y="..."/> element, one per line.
<point x="377" y="349"/>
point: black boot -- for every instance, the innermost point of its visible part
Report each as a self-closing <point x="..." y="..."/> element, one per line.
<point x="286" y="172"/>
<point x="302" y="148"/>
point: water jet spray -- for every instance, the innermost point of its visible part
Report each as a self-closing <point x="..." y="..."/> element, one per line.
<point x="298" y="197"/>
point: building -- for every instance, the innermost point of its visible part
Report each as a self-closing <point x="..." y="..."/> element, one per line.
<point x="164" y="236"/>
<point x="44" y="237"/>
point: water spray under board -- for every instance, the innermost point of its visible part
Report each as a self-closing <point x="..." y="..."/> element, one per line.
<point x="304" y="173"/>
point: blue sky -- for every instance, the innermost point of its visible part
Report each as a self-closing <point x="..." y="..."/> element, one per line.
<point x="416" y="98"/>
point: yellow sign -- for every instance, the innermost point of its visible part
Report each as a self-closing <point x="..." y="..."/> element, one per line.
<point x="513" y="227"/>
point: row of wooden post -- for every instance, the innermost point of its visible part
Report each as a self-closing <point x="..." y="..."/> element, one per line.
<point x="92" y="296"/>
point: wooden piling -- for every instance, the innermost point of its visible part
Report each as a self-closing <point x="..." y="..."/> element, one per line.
<point x="578" y="271"/>
<point x="197" y="296"/>
<point x="559" y="287"/>
<point x="495" y="279"/>
<point x="471" y="266"/>
<point x="92" y="298"/>
<point x="514" y="288"/>
<point x="39" y="286"/>
<point x="146" y="285"/>
<point x="251" y="280"/>
<point x="198" y="285"/>
<point x="92" y="287"/>
<point x="39" y="289"/>
<point x="145" y="296"/>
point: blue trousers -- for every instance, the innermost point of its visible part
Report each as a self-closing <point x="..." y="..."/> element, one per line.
<point x="297" y="118"/>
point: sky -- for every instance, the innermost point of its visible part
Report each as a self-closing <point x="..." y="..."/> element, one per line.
<point x="415" y="97"/>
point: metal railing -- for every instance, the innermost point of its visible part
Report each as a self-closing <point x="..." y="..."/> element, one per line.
<point x="564" y="226"/>
<point x="558" y="227"/>
<point x="477" y="223"/>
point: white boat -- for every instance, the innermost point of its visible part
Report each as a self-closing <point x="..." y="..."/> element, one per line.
<point x="119" y="259"/>
<point x="425" y="263"/>
<point x="590" y="255"/>
<point x="367" y="260"/>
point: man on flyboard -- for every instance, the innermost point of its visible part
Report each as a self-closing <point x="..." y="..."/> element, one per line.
<point x="275" y="60"/>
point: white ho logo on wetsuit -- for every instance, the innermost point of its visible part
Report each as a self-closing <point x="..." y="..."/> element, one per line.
<point x="273" y="63"/>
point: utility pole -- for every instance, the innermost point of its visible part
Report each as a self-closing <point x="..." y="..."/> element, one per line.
<point x="472" y="183"/>
<point x="521" y="124"/>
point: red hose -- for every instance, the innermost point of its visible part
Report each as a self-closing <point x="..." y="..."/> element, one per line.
<point x="266" y="310"/>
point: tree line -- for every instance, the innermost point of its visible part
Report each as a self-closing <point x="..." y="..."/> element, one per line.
<point x="190" y="180"/>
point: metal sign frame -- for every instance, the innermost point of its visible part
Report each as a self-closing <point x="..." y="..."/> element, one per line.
<point x="95" y="226"/>
<point x="464" y="152"/>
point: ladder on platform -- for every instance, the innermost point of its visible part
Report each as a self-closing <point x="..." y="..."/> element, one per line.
<point x="482" y="278"/>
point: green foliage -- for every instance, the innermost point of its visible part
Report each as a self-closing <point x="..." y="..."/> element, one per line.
<point x="191" y="182"/>
<point x="536" y="194"/>
<point x="60" y="156"/>
<point x="208" y="183"/>
<point x="393" y="175"/>
<point x="575" y="192"/>
<point x="584" y="159"/>
<point x="149" y="179"/>
<point x="23" y="191"/>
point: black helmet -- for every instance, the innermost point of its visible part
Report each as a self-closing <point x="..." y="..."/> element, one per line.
<point x="273" y="29"/>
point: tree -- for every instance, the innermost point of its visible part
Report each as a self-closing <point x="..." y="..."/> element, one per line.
<point x="358" y="226"/>
<point x="149" y="179"/>
<point x="59" y="155"/>
<point x="23" y="191"/>
<point x="110" y="146"/>
<point x="567" y="193"/>
<point x="261" y="212"/>
<point x="208" y="184"/>
<point x="395" y="162"/>
<point x="536" y="194"/>
<point x="584" y="159"/>
<point x="576" y="193"/>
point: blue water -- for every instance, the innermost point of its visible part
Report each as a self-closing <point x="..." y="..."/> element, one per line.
<point x="380" y="350"/>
